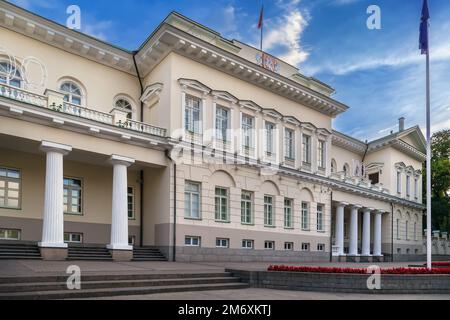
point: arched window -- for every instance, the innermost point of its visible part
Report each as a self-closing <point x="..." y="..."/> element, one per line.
<point x="126" y="106"/>
<point x="10" y="75"/>
<point x="72" y="93"/>
<point x="333" y="166"/>
<point x="346" y="169"/>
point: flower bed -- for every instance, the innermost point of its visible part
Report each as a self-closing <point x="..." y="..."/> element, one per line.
<point x="397" y="271"/>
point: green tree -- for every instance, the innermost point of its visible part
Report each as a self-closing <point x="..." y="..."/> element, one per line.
<point x="440" y="180"/>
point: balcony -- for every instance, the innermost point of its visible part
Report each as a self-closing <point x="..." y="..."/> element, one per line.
<point x="54" y="101"/>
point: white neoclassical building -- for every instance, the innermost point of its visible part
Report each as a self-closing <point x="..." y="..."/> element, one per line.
<point x="195" y="145"/>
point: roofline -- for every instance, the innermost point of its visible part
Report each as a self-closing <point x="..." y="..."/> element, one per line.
<point x="79" y="33"/>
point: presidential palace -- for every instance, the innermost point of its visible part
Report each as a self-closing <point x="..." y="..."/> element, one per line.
<point x="192" y="148"/>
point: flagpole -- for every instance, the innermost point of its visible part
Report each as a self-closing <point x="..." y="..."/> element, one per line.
<point x="429" y="248"/>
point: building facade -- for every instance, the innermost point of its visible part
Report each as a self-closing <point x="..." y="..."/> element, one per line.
<point x="194" y="144"/>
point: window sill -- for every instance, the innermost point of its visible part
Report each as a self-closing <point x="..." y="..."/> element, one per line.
<point x="222" y="221"/>
<point x="307" y="230"/>
<point x="288" y="228"/>
<point x="321" y="231"/>
<point x="10" y="208"/>
<point x="74" y="214"/>
<point x="194" y="219"/>
<point x="248" y="224"/>
<point x="269" y="226"/>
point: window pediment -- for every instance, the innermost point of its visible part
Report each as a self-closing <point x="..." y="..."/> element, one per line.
<point x="194" y="85"/>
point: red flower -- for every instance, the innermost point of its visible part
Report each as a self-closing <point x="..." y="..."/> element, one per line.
<point x="395" y="271"/>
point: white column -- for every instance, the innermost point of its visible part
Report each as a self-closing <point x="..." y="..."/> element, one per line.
<point x="340" y="227"/>
<point x="366" y="232"/>
<point x="119" y="224"/>
<point x="353" y="250"/>
<point x="53" y="216"/>
<point x="377" y="234"/>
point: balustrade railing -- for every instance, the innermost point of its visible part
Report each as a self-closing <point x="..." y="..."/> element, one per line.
<point x="28" y="97"/>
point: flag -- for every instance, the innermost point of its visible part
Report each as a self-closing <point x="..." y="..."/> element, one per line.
<point x="261" y="18"/>
<point x="424" y="28"/>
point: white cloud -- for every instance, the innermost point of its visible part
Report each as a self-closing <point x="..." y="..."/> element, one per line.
<point x="98" y="29"/>
<point x="284" y="33"/>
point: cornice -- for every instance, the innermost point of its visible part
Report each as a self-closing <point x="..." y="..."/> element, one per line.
<point x="26" y="23"/>
<point x="169" y="39"/>
<point x="348" y="143"/>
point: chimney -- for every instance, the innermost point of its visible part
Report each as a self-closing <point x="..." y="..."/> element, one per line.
<point x="401" y="124"/>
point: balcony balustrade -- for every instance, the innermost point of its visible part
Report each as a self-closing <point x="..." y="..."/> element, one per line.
<point x="53" y="101"/>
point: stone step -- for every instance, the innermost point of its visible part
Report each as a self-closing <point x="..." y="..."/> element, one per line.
<point x="56" y="286"/>
<point x="89" y="258"/>
<point x="114" y="277"/>
<point x="110" y="292"/>
<point x="16" y="253"/>
<point x="24" y="250"/>
<point x="18" y="257"/>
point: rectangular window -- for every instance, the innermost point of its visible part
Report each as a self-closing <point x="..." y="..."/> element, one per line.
<point x="408" y="186"/>
<point x="10" y="234"/>
<point x="268" y="211"/>
<point x="222" y="243"/>
<point x="320" y="247"/>
<point x="247" y="131"/>
<point x="407" y="230"/>
<point x="320" y="226"/>
<point x="416" y="188"/>
<point x="192" y="241"/>
<point x="221" y="204"/>
<point x="289" y="246"/>
<point x="222" y="123"/>
<point x="72" y="196"/>
<point x="306" y="149"/>
<point x="415" y="231"/>
<point x="10" y="181"/>
<point x="192" y="114"/>
<point x="246" y="207"/>
<point x="374" y="178"/>
<point x="321" y="155"/>
<point x="269" y="245"/>
<point x="270" y="138"/>
<point x="289" y="144"/>
<point x="305" y="216"/>
<point x="398" y="228"/>
<point x="305" y="246"/>
<point x="288" y="213"/>
<point x="192" y="200"/>
<point x="247" y="244"/>
<point x="73" y="237"/>
<point x="399" y="182"/>
<point x="130" y="203"/>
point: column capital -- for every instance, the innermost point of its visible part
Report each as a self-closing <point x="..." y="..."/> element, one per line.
<point x="367" y="209"/>
<point x="47" y="146"/>
<point x="115" y="159"/>
<point x="342" y="204"/>
<point x="356" y="206"/>
<point x="377" y="211"/>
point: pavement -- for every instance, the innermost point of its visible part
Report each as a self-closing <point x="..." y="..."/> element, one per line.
<point x="271" y="295"/>
<point x="38" y="267"/>
<point x="41" y="268"/>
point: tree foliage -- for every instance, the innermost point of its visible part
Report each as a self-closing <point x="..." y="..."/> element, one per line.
<point x="440" y="180"/>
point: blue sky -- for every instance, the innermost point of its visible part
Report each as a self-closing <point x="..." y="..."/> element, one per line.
<point x="378" y="73"/>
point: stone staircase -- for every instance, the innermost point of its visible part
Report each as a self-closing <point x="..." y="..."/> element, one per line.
<point x="19" y="251"/>
<point x="89" y="253"/>
<point x="95" y="286"/>
<point x="147" y="254"/>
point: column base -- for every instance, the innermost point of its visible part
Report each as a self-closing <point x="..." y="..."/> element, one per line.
<point x="53" y="254"/>
<point x="121" y="255"/>
<point x="378" y="258"/>
<point x="353" y="258"/>
<point x="365" y="258"/>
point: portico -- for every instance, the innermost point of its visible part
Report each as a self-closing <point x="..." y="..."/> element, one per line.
<point x="364" y="236"/>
